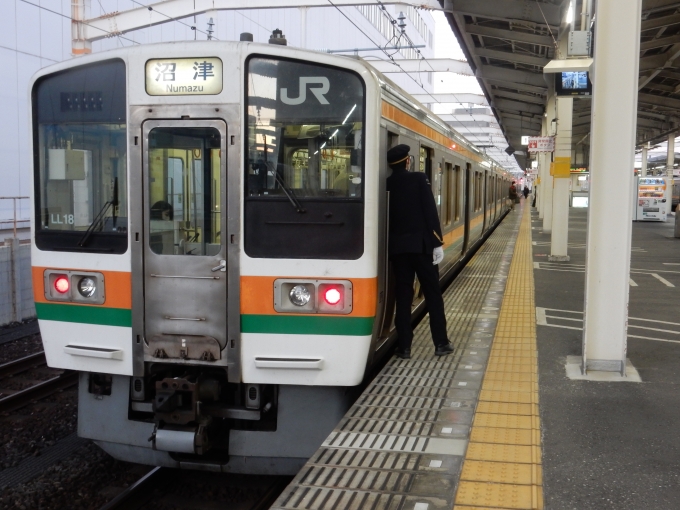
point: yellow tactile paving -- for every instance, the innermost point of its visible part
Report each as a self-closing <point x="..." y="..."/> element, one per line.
<point x="489" y="495"/>
<point x="506" y="408"/>
<point x="502" y="472"/>
<point x="498" y="383"/>
<point x="522" y="454"/>
<point x="519" y="397"/>
<point x="502" y="467"/>
<point x="504" y="436"/>
<point x="504" y="420"/>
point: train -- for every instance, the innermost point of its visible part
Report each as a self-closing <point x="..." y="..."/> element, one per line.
<point x="209" y="237"/>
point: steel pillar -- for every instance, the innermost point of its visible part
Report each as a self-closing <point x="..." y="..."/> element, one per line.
<point x="670" y="161"/>
<point x="548" y="183"/>
<point x="612" y="158"/>
<point x="643" y="170"/>
<point x="562" y="165"/>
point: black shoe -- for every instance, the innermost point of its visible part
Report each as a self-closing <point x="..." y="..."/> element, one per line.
<point x="403" y="353"/>
<point x="443" y="350"/>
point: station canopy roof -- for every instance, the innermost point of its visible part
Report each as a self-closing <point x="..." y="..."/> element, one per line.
<point x="508" y="42"/>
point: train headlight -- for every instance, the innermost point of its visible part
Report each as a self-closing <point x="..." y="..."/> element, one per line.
<point x="299" y="295"/>
<point x="87" y="287"/>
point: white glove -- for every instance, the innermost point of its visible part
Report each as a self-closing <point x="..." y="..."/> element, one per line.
<point x="437" y="255"/>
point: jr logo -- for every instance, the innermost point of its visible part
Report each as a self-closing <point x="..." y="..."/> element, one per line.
<point x="319" y="91"/>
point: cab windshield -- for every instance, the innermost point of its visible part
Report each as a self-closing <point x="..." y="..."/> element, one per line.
<point x="80" y="153"/>
<point x="304" y="167"/>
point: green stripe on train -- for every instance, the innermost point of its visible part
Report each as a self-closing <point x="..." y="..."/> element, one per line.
<point x="84" y="314"/>
<point x="307" y="325"/>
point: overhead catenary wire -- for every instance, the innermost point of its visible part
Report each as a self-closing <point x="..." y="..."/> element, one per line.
<point x="393" y="61"/>
<point x="388" y="55"/>
<point x="83" y="22"/>
<point x="423" y="59"/>
<point x="192" y="27"/>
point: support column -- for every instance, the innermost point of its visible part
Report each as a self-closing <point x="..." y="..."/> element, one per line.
<point x="548" y="183"/>
<point x="670" y="161"/>
<point x="561" y="175"/>
<point x="614" y="117"/>
<point x="643" y="170"/>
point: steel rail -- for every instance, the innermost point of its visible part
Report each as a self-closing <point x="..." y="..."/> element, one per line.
<point x="137" y="494"/>
<point x="38" y="391"/>
<point x="22" y="364"/>
<point x="271" y="494"/>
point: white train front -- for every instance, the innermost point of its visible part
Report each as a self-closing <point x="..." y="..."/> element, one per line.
<point x="209" y="242"/>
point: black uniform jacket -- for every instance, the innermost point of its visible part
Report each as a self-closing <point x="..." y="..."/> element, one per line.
<point x="414" y="223"/>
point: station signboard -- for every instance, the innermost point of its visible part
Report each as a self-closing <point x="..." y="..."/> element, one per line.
<point x="184" y="76"/>
<point x="541" y="144"/>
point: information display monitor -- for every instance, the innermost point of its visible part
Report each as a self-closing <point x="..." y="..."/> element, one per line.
<point x="573" y="83"/>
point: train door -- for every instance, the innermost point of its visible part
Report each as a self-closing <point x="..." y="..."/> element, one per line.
<point x="185" y="278"/>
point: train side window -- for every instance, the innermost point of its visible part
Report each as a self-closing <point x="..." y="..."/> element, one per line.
<point x="426" y="162"/>
<point x="392" y="139"/>
<point x="489" y="190"/>
<point x="455" y="190"/>
<point x="448" y="196"/>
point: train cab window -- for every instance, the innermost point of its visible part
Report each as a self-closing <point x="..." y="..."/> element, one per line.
<point x="392" y="139"/>
<point x="305" y="131"/>
<point x="184" y="191"/>
<point x="304" y="167"/>
<point x="79" y="123"/>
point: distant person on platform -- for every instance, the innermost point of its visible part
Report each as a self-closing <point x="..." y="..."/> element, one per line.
<point x="415" y="248"/>
<point x="525" y="191"/>
<point x="512" y="195"/>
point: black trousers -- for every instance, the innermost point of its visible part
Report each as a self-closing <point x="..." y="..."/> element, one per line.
<point x="406" y="266"/>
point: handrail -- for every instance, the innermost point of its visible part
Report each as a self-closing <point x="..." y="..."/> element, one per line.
<point x="14" y="199"/>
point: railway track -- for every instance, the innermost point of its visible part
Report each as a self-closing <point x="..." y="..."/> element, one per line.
<point x="18" y="332"/>
<point x="159" y="480"/>
<point x="14" y="399"/>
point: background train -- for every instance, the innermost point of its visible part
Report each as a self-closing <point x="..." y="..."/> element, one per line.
<point x="210" y="242"/>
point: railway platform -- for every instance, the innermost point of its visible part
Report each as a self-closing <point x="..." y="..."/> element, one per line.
<point x="499" y="424"/>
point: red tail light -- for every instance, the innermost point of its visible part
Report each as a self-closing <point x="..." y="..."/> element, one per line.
<point x="332" y="296"/>
<point x="62" y="285"/>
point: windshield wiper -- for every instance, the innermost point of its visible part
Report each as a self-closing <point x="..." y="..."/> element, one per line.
<point x="289" y="193"/>
<point x="99" y="219"/>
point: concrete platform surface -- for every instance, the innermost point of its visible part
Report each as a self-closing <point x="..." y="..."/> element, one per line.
<point x="610" y="444"/>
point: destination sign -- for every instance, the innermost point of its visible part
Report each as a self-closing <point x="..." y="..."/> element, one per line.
<point x="184" y="76"/>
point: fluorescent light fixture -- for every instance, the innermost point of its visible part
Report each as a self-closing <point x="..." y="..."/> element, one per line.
<point x="350" y="113"/>
<point x="335" y="133"/>
<point x="324" y="144"/>
<point x="570" y="14"/>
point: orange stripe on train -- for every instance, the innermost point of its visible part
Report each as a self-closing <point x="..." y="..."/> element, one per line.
<point x="404" y="119"/>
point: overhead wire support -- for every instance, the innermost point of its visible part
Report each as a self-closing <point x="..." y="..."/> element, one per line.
<point x="192" y="27"/>
<point x="109" y="33"/>
<point x="394" y="22"/>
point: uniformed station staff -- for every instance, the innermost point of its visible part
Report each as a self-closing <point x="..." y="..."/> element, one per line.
<point x="415" y="248"/>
